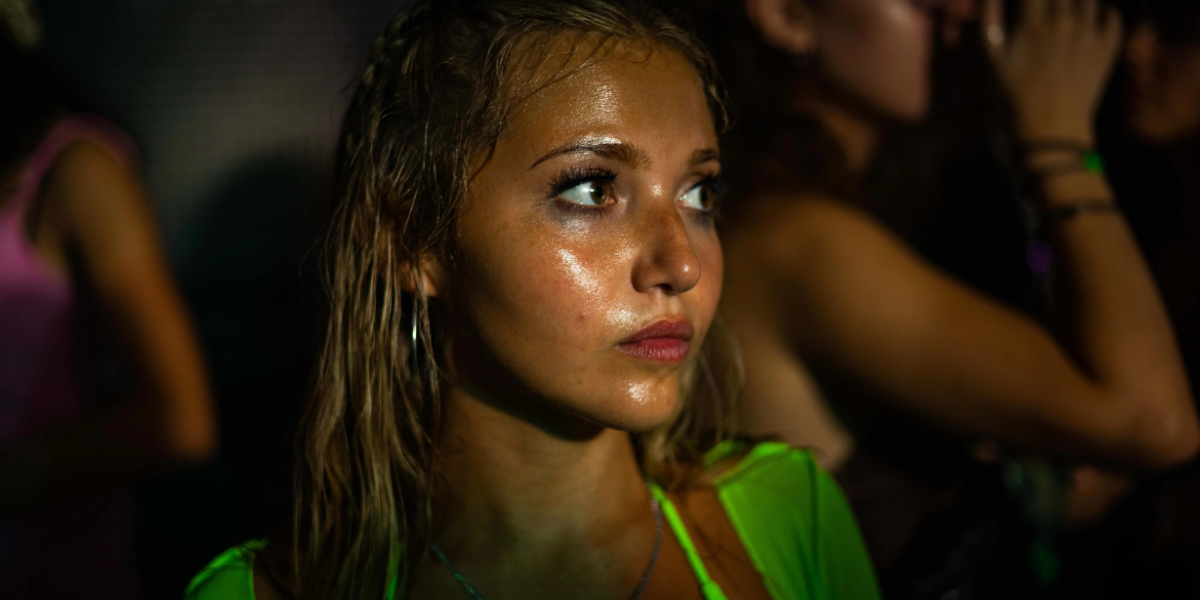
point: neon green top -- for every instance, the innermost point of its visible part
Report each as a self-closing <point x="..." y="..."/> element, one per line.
<point x="790" y="515"/>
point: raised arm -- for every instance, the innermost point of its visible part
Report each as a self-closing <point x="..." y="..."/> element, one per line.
<point x="855" y="298"/>
<point x="166" y="417"/>
<point x="1110" y="389"/>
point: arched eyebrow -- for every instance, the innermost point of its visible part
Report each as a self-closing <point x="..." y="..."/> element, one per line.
<point x="603" y="147"/>
<point x="621" y="151"/>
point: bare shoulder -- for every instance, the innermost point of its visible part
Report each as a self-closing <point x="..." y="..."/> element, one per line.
<point x="785" y="231"/>
<point x="84" y="162"/>
<point x="808" y="249"/>
<point x="91" y="186"/>
<point x="86" y="171"/>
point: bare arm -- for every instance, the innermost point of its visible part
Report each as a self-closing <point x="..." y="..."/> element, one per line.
<point x="166" y="418"/>
<point x="1112" y="389"/>
<point x="854" y="297"/>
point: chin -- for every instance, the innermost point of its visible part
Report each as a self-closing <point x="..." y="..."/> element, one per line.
<point x="639" y="407"/>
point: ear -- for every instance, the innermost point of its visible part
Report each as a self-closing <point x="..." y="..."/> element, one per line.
<point x="788" y="25"/>
<point x="433" y="276"/>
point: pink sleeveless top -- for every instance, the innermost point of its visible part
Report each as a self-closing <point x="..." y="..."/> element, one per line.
<point x="38" y="385"/>
<point x="80" y="548"/>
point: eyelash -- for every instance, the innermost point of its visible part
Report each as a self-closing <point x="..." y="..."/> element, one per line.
<point x="715" y="184"/>
<point x="575" y="176"/>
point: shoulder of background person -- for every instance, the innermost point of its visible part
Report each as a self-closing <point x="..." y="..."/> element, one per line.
<point x="780" y="213"/>
<point x="785" y="236"/>
<point x="92" y="163"/>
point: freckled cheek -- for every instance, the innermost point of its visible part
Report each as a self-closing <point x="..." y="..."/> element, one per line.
<point x="572" y="292"/>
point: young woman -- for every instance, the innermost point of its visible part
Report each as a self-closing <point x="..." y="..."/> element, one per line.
<point x="821" y="282"/>
<point x="80" y="265"/>
<point x="855" y="344"/>
<point x="521" y="391"/>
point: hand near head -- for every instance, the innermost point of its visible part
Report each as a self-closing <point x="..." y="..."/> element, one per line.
<point x="1054" y="63"/>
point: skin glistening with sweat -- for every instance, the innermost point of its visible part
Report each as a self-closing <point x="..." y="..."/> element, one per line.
<point x="587" y="226"/>
<point x="546" y="272"/>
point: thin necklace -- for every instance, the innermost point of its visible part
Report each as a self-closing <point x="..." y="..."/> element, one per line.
<point x="475" y="595"/>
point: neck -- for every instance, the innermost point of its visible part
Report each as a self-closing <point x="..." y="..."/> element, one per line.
<point x="516" y="484"/>
<point x="854" y="130"/>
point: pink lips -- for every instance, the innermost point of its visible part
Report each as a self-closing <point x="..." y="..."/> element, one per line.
<point x="664" y="341"/>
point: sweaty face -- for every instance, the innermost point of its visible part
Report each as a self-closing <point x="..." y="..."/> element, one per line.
<point x="879" y="51"/>
<point x="589" y="268"/>
<point x="1163" y="86"/>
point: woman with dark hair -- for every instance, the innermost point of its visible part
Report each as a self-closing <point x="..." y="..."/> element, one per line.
<point x="80" y="265"/>
<point x="858" y="346"/>
<point x="522" y="391"/>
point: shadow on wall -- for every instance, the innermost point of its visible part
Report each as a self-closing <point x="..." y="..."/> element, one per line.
<point x="252" y="285"/>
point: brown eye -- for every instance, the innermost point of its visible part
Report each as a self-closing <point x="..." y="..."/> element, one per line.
<point x="588" y="193"/>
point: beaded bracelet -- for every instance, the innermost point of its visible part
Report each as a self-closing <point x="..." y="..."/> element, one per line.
<point x="1090" y="160"/>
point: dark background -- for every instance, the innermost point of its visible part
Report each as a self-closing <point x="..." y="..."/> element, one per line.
<point x="235" y="105"/>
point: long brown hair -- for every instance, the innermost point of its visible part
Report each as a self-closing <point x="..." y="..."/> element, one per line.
<point x="441" y="83"/>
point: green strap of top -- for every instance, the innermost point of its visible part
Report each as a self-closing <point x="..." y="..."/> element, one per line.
<point x="708" y="588"/>
<point x="230" y="576"/>
<point x="790" y="515"/>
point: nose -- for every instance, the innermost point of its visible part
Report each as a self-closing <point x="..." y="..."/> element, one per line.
<point x="666" y="260"/>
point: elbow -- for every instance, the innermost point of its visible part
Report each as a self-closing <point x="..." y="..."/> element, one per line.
<point x="193" y="450"/>
<point x="190" y="438"/>
<point x="1182" y="446"/>
<point x="1170" y="440"/>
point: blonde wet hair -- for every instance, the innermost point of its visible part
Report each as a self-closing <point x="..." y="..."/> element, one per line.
<point x="441" y="84"/>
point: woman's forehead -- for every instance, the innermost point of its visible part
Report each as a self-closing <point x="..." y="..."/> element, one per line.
<point x="633" y="92"/>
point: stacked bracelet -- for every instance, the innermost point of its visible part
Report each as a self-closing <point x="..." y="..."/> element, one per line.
<point x="1089" y="159"/>
<point x="1084" y="159"/>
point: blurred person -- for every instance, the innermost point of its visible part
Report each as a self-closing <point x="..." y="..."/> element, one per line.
<point x="1162" y="66"/>
<point x="81" y="267"/>
<point x="522" y="391"/>
<point x="1155" y="154"/>
<point x="846" y="330"/>
<point x="1142" y="538"/>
